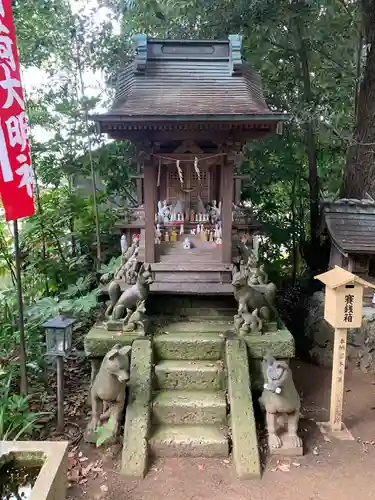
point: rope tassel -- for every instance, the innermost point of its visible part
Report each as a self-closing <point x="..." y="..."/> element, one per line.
<point x="180" y="173"/>
<point x="196" y="168"/>
<point x="159" y="169"/>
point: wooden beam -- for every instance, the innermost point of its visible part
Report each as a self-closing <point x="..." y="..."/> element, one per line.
<point x="139" y="183"/>
<point x="237" y="190"/>
<point x="149" y="204"/>
<point x="226" y="210"/>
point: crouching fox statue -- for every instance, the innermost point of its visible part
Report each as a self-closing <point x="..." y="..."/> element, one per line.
<point x="108" y="391"/>
<point x="281" y="402"/>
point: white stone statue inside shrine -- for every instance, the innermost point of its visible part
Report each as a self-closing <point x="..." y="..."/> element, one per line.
<point x="187" y="244"/>
<point x="164" y="212"/>
<point x="124" y="244"/>
<point x="178" y="212"/>
<point x="215" y="211"/>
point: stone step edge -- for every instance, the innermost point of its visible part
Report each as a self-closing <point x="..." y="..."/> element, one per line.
<point x="205" y="398"/>
<point x="193" y="440"/>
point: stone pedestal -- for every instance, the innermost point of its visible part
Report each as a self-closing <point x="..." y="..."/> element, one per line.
<point x="287" y="448"/>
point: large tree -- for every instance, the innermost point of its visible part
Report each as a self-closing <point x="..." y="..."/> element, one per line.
<point x="360" y="166"/>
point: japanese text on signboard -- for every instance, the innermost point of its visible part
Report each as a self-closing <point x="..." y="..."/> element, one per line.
<point x="348" y="308"/>
<point x="16" y="172"/>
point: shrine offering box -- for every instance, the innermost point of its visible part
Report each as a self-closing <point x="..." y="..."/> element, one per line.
<point x="343" y="298"/>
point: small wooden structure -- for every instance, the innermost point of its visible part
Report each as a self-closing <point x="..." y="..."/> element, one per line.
<point x="342" y="310"/>
<point x="189" y="107"/>
<point x="351" y="227"/>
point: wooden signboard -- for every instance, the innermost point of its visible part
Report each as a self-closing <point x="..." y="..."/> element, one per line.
<point x="342" y="310"/>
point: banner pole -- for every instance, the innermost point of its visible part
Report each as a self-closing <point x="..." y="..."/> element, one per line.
<point x="23" y="372"/>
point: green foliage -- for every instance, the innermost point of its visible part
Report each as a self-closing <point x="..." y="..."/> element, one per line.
<point x="16" y="420"/>
<point x="105" y="431"/>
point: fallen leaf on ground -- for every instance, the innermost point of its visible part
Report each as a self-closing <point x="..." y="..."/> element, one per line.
<point x="284" y="467"/>
<point x="296" y="464"/>
<point x="315" y="450"/>
<point x="72" y="462"/>
<point x="326" y="438"/>
<point x="200" y="467"/>
<point x="74" y="475"/>
<point x="86" y="470"/>
<point x="104" y="488"/>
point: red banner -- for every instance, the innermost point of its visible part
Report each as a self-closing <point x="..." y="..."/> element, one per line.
<point x="16" y="172"/>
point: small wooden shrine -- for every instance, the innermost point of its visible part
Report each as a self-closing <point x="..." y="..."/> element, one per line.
<point x="351" y="227"/>
<point x="189" y="107"/>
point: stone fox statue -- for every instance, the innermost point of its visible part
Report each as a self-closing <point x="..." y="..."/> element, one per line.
<point x="127" y="300"/>
<point x="250" y="298"/>
<point x="108" y="390"/>
<point x="281" y="401"/>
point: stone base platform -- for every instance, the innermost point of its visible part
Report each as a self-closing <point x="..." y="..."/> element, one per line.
<point x="179" y="379"/>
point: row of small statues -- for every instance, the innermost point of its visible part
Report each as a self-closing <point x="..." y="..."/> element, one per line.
<point x="180" y="212"/>
<point x="212" y="235"/>
<point x="280" y="399"/>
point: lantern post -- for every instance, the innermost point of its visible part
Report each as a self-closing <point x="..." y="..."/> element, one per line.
<point x="58" y="333"/>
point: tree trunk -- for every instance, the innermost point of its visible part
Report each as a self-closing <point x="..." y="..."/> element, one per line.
<point x="310" y="141"/>
<point x="359" y="177"/>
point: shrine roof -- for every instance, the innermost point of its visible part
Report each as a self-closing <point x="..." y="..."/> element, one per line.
<point x="189" y="80"/>
<point x="337" y="277"/>
<point x="351" y="225"/>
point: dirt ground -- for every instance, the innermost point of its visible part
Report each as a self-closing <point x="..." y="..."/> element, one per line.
<point x="330" y="469"/>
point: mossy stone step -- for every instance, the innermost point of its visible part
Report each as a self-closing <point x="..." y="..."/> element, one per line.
<point x="189" y="375"/>
<point x="189" y="407"/>
<point x="226" y="313"/>
<point x="206" y="327"/>
<point x="189" y="346"/>
<point x="189" y="441"/>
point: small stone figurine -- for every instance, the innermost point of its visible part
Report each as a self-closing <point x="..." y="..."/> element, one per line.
<point x="157" y="234"/>
<point x="192" y="216"/>
<point x="204" y="235"/>
<point x="166" y="236"/>
<point x="198" y="228"/>
<point x="186" y="244"/>
<point x="124" y="244"/>
<point x="193" y="232"/>
<point x="174" y="235"/>
<point x="211" y="239"/>
<point x="182" y="230"/>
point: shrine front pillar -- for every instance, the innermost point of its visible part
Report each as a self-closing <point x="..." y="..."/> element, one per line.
<point x="149" y="187"/>
<point x="226" y="210"/>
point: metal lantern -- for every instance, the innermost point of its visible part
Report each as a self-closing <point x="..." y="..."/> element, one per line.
<point x="58" y="335"/>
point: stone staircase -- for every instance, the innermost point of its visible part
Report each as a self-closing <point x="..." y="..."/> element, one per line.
<point x="189" y="409"/>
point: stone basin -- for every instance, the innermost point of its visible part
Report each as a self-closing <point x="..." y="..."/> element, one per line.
<point x="51" y="456"/>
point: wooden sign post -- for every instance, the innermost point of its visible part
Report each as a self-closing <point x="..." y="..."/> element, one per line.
<point x="342" y="310"/>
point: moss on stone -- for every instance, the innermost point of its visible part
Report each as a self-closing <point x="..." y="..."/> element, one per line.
<point x="138" y="412"/>
<point x="189" y="346"/>
<point x="244" y="437"/>
<point x="279" y="344"/>
<point x="99" y="341"/>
